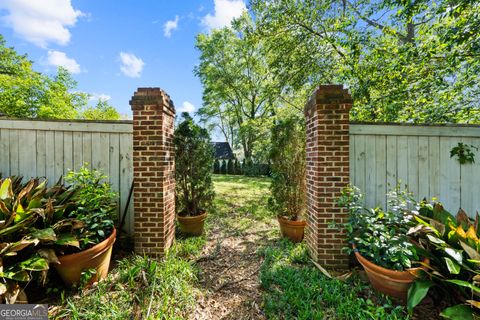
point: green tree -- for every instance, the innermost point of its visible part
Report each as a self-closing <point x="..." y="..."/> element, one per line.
<point x="239" y="91"/>
<point x="414" y="61"/>
<point x="25" y="93"/>
<point x="101" y="111"/>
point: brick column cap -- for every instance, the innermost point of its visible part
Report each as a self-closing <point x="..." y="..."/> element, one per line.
<point x="151" y="97"/>
<point x="330" y="94"/>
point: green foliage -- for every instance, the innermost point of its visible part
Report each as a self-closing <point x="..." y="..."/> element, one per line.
<point x="453" y="246"/>
<point x="295" y="289"/>
<point x="96" y="205"/>
<point x="287" y="155"/>
<point x="403" y="61"/>
<point x="239" y="90"/>
<point x="237" y="167"/>
<point x="137" y="287"/>
<point x="223" y="167"/>
<point x="38" y="223"/>
<point x="464" y="153"/>
<point x="193" y="163"/>
<point x="25" y="93"/>
<point x="381" y="236"/>
<point x="101" y="111"/>
<point x="230" y="168"/>
<point x="216" y="166"/>
<point x="34" y="219"/>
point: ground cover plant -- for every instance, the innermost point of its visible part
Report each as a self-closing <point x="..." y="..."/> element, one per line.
<point x="138" y="288"/>
<point x="296" y="289"/>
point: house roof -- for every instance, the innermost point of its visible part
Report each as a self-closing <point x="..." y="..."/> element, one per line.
<point x="223" y="150"/>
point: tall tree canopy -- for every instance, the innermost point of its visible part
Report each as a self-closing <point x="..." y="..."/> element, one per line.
<point x="415" y="61"/>
<point x="239" y="92"/>
<point x="25" y="93"/>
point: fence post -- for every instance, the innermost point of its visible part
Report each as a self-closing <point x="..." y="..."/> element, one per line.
<point x="153" y="171"/>
<point x="327" y="118"/>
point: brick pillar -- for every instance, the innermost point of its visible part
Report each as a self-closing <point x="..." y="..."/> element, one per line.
<point x="327" y="118"/>
<point x="153" y="171"/>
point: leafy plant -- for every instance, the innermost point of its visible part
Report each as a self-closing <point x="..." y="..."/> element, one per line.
<point x="453" y="246"/>
<point x="34" y="223"/>
<point x="96" y="205"/>
<point x="288" y="168"/>
<point x="295" y="289"/>
<point x="464" y="153"/>
<point x="193" y="163"/>
<point x="381" y="236"/>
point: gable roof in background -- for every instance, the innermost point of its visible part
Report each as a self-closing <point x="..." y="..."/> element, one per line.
<point x="223" y="150"/>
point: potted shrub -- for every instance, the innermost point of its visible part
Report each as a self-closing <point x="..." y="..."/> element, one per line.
<point x="194" y="158"/>
<point x="288" y="187"/>
<point x="93" y="241"/>
<point x="381" y="242"/>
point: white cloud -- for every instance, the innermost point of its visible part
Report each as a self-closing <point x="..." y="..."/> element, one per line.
<point x="131" y="65"/>
<point x="60" y="59"/>
<point x="100" y="97"/>
<point x="169" y="26"/>
<point x="225" y="12"/>
<point x="41" y="22"/>
<point x="187" y="107"/>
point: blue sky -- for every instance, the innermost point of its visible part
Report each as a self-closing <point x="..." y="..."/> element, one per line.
<point x="113" y="47"/>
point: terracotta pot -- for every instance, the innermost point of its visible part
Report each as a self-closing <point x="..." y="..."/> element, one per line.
<point x="390" y="282"/>
<point x="96" y="257"/>
<point x="192" y="225"/>
<point x="293" y="230"/>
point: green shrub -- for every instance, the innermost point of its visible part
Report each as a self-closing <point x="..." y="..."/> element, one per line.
<point x="237" y="167"/>
<point x="288" y="167"/>
<point x="230" y="167"/>
<point x="223" y="167"/>
<point x="381" y="236"/>
<point x="216" y="166"/>
<point x="96" y="205"/>
<point x="193" y="168"/>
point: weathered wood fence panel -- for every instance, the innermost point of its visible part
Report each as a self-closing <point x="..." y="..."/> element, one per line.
<point x="34" y="148"/>
<point x="417" y="156"/>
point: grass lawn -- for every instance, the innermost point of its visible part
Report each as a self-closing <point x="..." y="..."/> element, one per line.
<point x="288" y="285"/>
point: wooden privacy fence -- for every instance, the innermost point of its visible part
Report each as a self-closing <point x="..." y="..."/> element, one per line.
<point x="34" y="148"/>
<point x="417" y="156"/>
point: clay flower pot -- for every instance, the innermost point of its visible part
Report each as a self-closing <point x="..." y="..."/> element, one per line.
<point x="293" y="230"/>
<point x="192" y="225"/>
<point x="390" y="282"/>
<point x="96" y="257"/>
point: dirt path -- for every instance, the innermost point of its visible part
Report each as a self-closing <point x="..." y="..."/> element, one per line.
<point x="230" y="265"/>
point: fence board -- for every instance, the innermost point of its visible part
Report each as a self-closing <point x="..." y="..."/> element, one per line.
<point x="51" y="148"/>
<point x="417" y="156"/>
